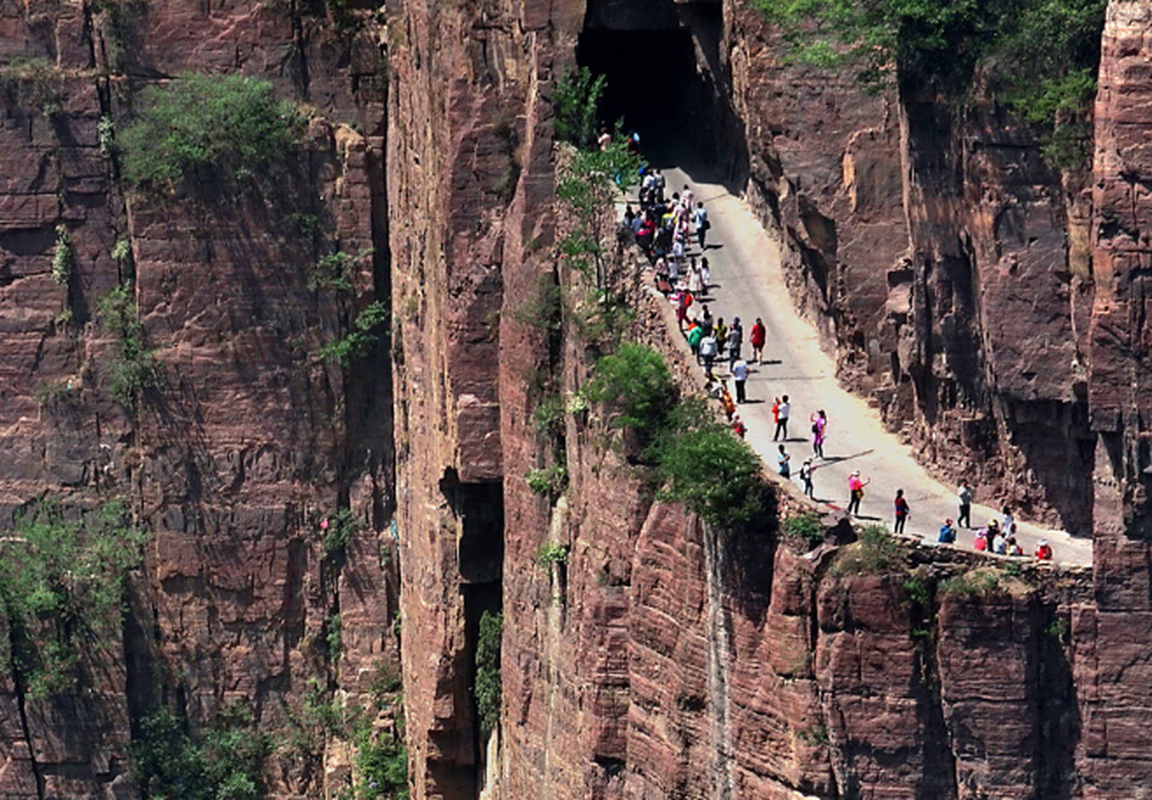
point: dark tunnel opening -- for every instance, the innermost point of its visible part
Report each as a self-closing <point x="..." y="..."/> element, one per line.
<point x="662" y="81"/>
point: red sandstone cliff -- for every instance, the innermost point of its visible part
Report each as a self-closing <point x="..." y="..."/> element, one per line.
<point x="248" y="440"/>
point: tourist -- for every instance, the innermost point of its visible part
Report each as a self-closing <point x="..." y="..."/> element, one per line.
<point x="707" y="350"/>
<point x="603" y="140"/>
<point x="1014" y="548"/>
<point x="705" y="274"/>
<point x="1000" y="544"/>
<point x="658" y="185"/>
<point x="757" y="337"/>
<point x="706" y="319"/>
<point x="738" y="426"/>
<point x="947" y="533"/>
<point x="735" y="340"/>
<point x="964" y="498"/>
<point x="806" y="476"/>
<point x="819" y="427"/>
<point x="695" y="281"/>
<point x="726" y="402"/>
<point x="683" y="302"/>
<point x="1043" y="550"/>
<point x="1007" y="523"/>
<point x="781" y="411"/>
<point x="901" y="510"/>
<point x="700" y="217"/>
<point x="740" y="377"/>
<point x="856" y="491"/>
<point x="695" y="335"/>
<point x="783" y="463"/>
<point x="721" y="334"/>
<point x="980" y="543"/>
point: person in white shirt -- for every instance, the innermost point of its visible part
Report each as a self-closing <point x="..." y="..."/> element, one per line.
<point x="740" y="377"/>
<point x="782" y="412"/>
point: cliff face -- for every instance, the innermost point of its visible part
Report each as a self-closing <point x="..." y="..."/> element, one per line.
<point x="248" y="440"/>
<point x="944" y="262"/>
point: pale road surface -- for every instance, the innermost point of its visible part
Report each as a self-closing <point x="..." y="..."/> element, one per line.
<point x="750" y="278"/>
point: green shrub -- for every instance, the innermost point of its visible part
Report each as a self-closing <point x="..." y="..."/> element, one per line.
<point x="576" y="104"/>
<point x="134" y="369"/>
<point x="975" y="583"/>
<point x="333" y="270"/>
<point x="708" y="469"/>
<point x="63" y="257"/>
<point x="334" y="636"/>
<point x="201" y="127"/>
<point x="548" y="416"/>
<point x="34" y="82"/>
<point x="547" y="482"/>
<point x="381" y="766"/>
<point x="806" y="527"/>
<point x="223" y="762"/>
<point x="917" y="589"/>
<point x="366" y="333"/>
<point x="875" y="553"/>
<point x="61" y="588"/>
<point x="488" y="690"/>
<point x="549" y="554"/>
<point x="336" y="529"/>
<point x="635" y="387"/>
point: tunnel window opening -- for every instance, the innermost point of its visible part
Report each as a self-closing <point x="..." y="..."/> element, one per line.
<point x="480" y="508"/>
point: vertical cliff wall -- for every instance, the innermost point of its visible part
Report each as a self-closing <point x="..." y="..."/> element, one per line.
<point x="247" y="440"/>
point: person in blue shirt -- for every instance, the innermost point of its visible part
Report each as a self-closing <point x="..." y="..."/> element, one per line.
<point x="947" y="533"/>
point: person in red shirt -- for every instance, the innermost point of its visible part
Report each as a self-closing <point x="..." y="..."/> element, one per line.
<point x="738" y="426"/>
<point x="759" y="333"/>
<point x="1043" y="550"/>
<point x="901" y="509"/>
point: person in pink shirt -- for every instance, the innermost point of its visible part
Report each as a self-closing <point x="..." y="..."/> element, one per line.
<point x="856" y="486"/>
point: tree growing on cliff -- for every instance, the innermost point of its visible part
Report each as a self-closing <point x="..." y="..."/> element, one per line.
<point x="634" y="386"/>
<point x="576" y="104"/>
<point x="62" y="591"/>
<point x="199" y="129"/>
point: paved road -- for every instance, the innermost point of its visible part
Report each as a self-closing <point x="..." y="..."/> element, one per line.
<point x="748" y="269"/>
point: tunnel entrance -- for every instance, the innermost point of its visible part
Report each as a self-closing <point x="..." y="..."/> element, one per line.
<point x="662" y="61"/>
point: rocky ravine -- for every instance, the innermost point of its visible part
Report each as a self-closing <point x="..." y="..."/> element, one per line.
<point x="663" y="660"/>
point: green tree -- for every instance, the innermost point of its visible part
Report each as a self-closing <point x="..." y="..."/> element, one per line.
<point x="708" y="469"/>
<point x="576" y="104"/>
<point x="635" y="387"/>
<point x="62" y="591"/>
<point x="198" y="128"/>
<point x="488" y="689"/>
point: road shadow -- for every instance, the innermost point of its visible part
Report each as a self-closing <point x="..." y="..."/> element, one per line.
<point x="840" y="459"/>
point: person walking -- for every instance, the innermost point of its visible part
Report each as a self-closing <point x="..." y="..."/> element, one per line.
<point x="819" y="426"/>
<point x="721" y="334"/>
<point x="735" y="340"/>
<point x="806" y="477"/>
<point x="705" y="274"/>
<point x="740" y="376"/>
<point x="900" y="506"/>
<point x="700" y="217"/>
<point x="695" y="336"/>
<point x="964" y="499"/>
<point x="856" y="491"/>
<point x="781" y="410"/>
<point x="707" y="351"/>
<point x="757" y="338"/>
<point x="783" y="463"/>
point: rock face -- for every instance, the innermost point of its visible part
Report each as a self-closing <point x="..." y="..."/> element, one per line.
<point x="943" y="262"/>
<point x="248" y="440"/>
<point x="989" y="305"/>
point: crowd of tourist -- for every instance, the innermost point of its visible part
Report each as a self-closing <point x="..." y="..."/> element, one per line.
<point x="669" y="228"/>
